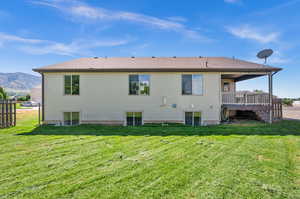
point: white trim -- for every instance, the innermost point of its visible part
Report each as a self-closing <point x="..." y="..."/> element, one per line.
<point x="64" y="89"/>
<point x="139" y="91"/>
<point x="125" y="116"/>
<point x="201" y="116"/>
<point x="63" y="119"/>
<point x="202" y="79"/>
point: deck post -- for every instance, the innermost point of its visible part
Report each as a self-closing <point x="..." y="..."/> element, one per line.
<point x="270" y="98"/>
<point x="43" y="97"/>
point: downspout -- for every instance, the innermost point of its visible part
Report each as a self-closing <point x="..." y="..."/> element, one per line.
<point x="271" y="96"/>
<point x="43" y="97"/>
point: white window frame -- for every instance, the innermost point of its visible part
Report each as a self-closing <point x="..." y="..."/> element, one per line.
<point x="139" y="93"/>
<point x="63" y="113"/>
<point x="64" y="90"/>
<point x="202" y="81"/>
<point x="193" y="112"/>
<point x="125" y="123"/>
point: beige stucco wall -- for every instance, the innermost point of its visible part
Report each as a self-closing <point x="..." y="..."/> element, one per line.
<point x="104" y="98"/>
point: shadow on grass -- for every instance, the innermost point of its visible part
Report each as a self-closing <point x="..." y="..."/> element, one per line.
<point x="281" y="128"/>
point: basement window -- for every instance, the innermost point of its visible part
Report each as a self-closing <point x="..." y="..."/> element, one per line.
<point x="134" y="119"/>
<point x="71" y="118"/>
<point x="193" y="118"/>
<point x="71" y="84"/>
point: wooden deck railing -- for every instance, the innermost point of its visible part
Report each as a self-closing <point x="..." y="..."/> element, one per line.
<point x="277" y="109"/>
<point x="254" y="102"/>
<point x="7" y="113"/>
<point x="250" y="99"/>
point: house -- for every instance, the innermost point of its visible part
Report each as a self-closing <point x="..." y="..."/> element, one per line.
<point x="135" y="91"/>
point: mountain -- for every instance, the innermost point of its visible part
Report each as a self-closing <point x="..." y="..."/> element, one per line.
<point x="19" y="82"/>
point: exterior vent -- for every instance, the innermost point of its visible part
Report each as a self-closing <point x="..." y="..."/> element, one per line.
<point x="164" y="100"/>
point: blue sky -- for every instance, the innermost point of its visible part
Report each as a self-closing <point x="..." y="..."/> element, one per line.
<point x="34" y="33"/>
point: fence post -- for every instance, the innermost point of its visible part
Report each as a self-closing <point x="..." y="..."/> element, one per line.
<point x="15" y="113"/>
<point x="10" y="113"/>
<point x="2" y="114"/>
<point x="6" y="113"/>
<point x="39" y="114"/>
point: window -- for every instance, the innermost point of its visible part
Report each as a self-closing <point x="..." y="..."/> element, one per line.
<point x="134" y="118"/>
<point x="226" y="87"/>
<point x="139" y="85"/>
<point x="193" y="118"/>
<point x="71" y="118"/>
<point x="192" y="84"/>
<point x="71" y="84"/>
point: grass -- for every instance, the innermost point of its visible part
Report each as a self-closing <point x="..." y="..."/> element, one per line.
<point x="18" y="106"/>
<point x="247" y="160"/>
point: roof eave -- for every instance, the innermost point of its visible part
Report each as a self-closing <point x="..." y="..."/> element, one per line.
<point x="269" y="69"/>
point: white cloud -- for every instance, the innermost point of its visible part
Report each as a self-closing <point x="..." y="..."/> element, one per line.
<point x="40" y="47"/>
<point x="248" y="32"/>
<point x="12" y="38"/>
<point x="277" y="7"/>
<point x="74" y="48"/>
<point x="278" y="58"/>
<point x="81" y="10"/>
<point x="177" y="19"/>
<point x="231" y="1"/>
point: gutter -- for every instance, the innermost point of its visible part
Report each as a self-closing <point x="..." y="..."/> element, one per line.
<point x="41" y="70"/>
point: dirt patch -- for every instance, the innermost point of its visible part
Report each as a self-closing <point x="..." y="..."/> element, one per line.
<point x="24" y="113"/>
<point x="262" y="158"/>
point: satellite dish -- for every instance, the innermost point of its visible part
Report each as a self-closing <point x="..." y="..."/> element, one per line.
<point x="264" y="54"/>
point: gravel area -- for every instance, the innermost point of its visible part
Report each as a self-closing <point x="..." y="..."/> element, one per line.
<point x="291" y="112"/>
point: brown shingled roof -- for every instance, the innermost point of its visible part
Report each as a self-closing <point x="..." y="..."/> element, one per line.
<point x="157" y="64"/>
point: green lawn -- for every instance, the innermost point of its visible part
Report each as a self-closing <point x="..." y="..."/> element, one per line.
<point x="251" y="160"/>
<point x="18" y="106"/>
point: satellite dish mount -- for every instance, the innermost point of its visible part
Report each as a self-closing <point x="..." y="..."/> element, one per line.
<point x="264" y="54"/>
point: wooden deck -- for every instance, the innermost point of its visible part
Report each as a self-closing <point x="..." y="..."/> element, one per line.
<point x="257" y="103"/>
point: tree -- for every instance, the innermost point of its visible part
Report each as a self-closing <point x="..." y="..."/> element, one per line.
<point x="22" y="98"/>
<point x="3" y="94"/>
<point x="287" y="102"/>
<point x="28" y="97"/>
<point x="258" y="91"/>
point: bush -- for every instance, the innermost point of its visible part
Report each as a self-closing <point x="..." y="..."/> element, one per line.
<point x="3" y="94"/>
<point x="287" y="102"/>
<point x="24" y="98"/>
